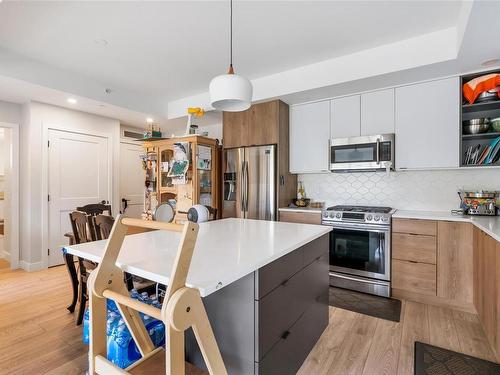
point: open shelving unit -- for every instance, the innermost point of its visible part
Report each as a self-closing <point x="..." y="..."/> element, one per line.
<point x="489" y="109"/>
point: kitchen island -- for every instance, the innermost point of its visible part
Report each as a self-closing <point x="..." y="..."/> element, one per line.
<point x="264" y="285"/>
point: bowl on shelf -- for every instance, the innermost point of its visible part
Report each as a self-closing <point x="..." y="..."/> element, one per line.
<point x="476" y="126"/>
<point x="304" y="202"/>
<point x="495" y="124"/>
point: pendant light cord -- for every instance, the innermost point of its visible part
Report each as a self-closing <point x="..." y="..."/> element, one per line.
<point x="231" y="37"/>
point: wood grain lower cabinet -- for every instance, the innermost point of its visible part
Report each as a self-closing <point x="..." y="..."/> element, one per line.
<point x="414" y="277"/>
<point x="487" y="285"/>
<point x="300" y="217"/>
<point x="415" y="226"/>
<point x="416" y="248"/>
<point x="455" y="269"/>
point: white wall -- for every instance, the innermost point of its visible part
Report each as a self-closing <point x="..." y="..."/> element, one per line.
<point x="411" y="190"/>
<point x="37" y="118"/>
<point x="10" y="112"/>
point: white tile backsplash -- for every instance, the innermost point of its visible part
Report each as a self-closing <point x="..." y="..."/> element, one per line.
<point x="408" y="190"/>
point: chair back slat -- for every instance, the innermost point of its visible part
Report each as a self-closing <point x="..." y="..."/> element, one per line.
<point x="102" y="225"/>
<point x="79" y="224"/>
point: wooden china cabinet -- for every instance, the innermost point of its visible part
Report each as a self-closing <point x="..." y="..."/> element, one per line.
<point x="201" y="185"/>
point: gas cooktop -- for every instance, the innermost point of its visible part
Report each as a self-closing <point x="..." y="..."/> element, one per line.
<point x="358" y="214"/>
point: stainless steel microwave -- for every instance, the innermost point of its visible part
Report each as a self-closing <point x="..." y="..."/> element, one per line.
<point x="366" y="153"/>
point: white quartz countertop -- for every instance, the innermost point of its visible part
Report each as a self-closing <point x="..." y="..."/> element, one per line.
<point x="488" y="224"/>
<point x="226" y="250"/>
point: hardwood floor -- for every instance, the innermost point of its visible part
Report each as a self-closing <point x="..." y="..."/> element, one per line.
<point x="39" y="336"/>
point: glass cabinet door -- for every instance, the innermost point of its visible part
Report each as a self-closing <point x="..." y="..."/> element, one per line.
<point x="166" y="156"/>
<point x="205" y="176"/>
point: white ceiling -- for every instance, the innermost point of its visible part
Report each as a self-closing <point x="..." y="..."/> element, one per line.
<point x="173" y="48"/>
<point x="161" y="51"/>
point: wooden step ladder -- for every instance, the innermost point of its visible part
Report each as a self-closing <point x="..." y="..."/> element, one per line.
<point x="182" y="308"/>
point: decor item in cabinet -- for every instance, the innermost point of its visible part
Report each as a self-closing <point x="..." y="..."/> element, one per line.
<point x="261" y="125"/>
<point x="377" y="112"/>
<point x="346" y="117"/>
<point x="189" y="172"/>
<point x="309" y="137"/>
<point x="230" y="92"/>
<point x="428" y="124"/>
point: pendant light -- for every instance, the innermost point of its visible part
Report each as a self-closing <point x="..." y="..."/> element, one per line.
<point x="230" y="92"/>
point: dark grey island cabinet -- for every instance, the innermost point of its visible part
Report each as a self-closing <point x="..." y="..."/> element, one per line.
<point x="268" y="321"/>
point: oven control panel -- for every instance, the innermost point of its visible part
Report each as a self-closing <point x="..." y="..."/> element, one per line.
<point x="356" y="217"/>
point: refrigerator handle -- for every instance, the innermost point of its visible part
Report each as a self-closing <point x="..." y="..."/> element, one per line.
<point x="246" y="186"/>
<point x="243" y="186"/>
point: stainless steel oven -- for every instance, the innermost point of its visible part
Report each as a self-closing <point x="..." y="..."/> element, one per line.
<point x="362" y="153"/>
<point x="360" y="249"/>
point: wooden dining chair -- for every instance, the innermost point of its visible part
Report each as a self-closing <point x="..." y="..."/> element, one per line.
<point x="182" y="308"/>
<point x="81" y="224"/>
<point x="102" y="225"/>
<point x="93" y="210"/>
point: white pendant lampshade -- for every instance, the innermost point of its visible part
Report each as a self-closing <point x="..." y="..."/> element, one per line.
<point x="231" y="93"/>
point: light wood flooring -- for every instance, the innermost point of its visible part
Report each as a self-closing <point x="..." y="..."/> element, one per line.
<point x="38" y="335"/>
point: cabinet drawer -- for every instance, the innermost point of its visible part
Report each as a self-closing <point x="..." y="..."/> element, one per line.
<point x="414" y="247"/>
<point x="414" y="277"/>
<point x="301" y="217"/>
<point x="289" y="353"/>
<point x="278" y="272"/>
<point x="281" y="308"/>
<point x="415" y="226"/>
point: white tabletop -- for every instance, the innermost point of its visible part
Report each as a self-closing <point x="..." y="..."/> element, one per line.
<point x="226" y="250"/>
<point x="488" y="224"/>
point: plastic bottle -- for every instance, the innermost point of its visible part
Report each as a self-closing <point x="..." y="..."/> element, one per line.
<point x="86" y="332"/>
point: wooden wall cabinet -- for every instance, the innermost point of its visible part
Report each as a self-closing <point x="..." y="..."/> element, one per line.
<point x="264" y="124"/>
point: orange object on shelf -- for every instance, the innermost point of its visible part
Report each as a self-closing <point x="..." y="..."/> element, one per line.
<point x="476" y="86"/>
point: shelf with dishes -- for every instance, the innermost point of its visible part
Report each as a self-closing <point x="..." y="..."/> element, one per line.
<point x="480" y="120"/>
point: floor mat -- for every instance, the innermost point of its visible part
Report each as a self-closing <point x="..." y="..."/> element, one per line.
<point x="432" y="360"/>
<point x="379" y="307"/>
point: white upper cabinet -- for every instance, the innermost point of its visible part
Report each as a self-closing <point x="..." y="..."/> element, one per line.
<point x="377" y="112"/>
<point x="428" y="125"/>
<point x="346" y="119"/>
<point x="309" y="137"/>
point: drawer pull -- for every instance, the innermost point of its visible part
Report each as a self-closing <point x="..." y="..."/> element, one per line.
<point x="285" y="282"/>
<point x="285" y="335"/>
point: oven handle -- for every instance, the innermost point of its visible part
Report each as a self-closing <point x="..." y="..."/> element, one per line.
<point x="356" y="279"/>
<point x="367" y="227"/>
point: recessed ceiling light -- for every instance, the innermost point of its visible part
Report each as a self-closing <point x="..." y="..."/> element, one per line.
<point x="491" y="62"/>
<point x="101" y="42"/>
<point x="71" y="100"/>
<point x="149" y="120"/>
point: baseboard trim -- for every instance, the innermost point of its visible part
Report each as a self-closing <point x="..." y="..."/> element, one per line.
<point x="434" y="300"/>
<point x="30" y="267"/>
<point x="4" y="255"/>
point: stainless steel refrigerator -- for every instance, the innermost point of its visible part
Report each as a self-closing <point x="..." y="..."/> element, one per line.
<point x="250" y="183"/>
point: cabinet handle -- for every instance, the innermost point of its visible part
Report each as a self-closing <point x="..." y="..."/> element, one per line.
<point x="285" y="335"/>
<point x="285" y="282"/>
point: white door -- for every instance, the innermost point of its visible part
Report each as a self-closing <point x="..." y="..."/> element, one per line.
<point x="428" y="124"/>
<point x="346" y="117"/>
<point x="79" y="174"/>
<point x="131" y="179"/>
<point x="309" y="137"/>
<point x="377" y="112"/>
